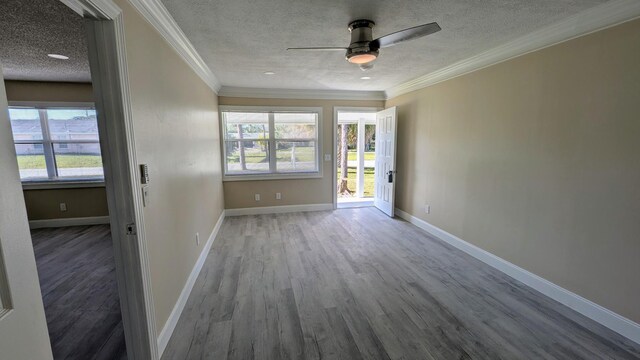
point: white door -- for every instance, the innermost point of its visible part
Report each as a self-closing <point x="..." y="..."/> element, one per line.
<point x="385" y="172"/>
<point x="23" y="328"/>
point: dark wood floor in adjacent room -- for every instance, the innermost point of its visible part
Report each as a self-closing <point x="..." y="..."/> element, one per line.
<point x="78" y="282"/>
<point x="355" y="284"/>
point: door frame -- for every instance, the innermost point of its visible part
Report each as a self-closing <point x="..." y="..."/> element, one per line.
<point x="104" y="26"/>
<point x="336" y="110"/>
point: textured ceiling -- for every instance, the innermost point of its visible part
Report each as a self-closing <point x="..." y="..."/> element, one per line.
<point x="31" y="29"/>
<point x="241" y="39"/>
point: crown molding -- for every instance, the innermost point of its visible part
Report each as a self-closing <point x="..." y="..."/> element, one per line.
<point x="158" y="15"/>
<point x="231" y="91"/>
<point x="98" y="9"/>
<point x="597" y="18"/>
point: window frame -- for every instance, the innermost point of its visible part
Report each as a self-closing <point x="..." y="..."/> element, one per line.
<point x="52" y="180"/>
<point x="272" y="174"/>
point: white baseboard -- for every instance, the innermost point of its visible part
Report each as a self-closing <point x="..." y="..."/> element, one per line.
<point x="606" y="317"/>
<point x="278" y="209"/>
<point x="170" y="325"/>
<point x="90" y="220"/>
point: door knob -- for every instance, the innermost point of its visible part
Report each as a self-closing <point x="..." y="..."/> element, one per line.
<point x="390" y="174"/>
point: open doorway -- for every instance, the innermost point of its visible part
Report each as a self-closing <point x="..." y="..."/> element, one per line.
<point x="355" y="156"/>
<point x="60" y="165"/>
<point x="54" y="130"/>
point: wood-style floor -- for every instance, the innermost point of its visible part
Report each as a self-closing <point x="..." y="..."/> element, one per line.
<point x="79" y="290"/>
<point x="355" y="284"/>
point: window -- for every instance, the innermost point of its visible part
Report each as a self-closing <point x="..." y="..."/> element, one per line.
<point x="56" y="143"/>
<point x="270" y="142"/>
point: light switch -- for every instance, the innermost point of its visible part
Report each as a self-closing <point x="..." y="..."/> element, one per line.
<point x="145" y="195"/>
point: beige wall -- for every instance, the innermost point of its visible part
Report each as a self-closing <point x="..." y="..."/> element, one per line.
<point x="175" y="119"/>
<point x="45" y="204"/>
<point x="240" y="194"/>
<point x="48" y="91"/>
<point x="81" y="202"/>
<point x="537" y="160"/>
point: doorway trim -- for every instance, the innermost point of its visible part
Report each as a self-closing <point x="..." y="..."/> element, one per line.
<point x="104" y="26"/>
<point x="336" y="110"/>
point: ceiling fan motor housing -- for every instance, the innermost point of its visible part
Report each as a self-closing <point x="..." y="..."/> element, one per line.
<point x="359" y="50"/>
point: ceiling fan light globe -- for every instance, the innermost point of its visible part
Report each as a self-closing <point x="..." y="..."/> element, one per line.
<point x="366" y="67"/>
<point x="361" y="58"/>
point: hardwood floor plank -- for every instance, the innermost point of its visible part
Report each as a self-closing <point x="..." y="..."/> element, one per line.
<point x="217" y="344"/>
<point x="358" y="323"/>
<point x="355" y="284"/>
<point x="77" y="276"/>
<point x="346" y="345"/>
<point x="288" y="326"/>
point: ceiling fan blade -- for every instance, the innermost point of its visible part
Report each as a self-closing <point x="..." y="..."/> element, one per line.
<point x="405" y="35"/>
<point x="318" y="48"/>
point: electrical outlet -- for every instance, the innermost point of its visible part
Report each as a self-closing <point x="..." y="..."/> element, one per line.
<point x="327" y="157"/>
<point x="278" y="196"/>
<point x="427" y="209"/>
<point x="197" y="238"/>
<point x="63" y="207"/>
<point x="257" y="197"/>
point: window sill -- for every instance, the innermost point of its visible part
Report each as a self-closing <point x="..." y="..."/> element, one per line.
<point x="261" y="177"/>
<point x="61" y="184"/>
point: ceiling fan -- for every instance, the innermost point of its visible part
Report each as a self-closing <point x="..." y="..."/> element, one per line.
<point x="363" y="48"/>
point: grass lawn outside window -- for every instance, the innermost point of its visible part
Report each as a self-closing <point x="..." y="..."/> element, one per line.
<point x="369" y="173"/>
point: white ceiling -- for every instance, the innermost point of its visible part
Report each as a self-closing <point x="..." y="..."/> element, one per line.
<point x="31" y="29"/>
<point x="241" y="39"/>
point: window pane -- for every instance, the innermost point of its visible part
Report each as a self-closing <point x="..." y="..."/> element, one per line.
<point x="72" y="124"/>
<point x="25" y="124"/>
<point x="295" y="125"/>
<point x="246" y="125"/>
<point x="370" y="141"/>
<point x="296" y="156"/>
<point x="31" y="161"/>
<point x="247" y="156"/>
<point x="78" y="160"/>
